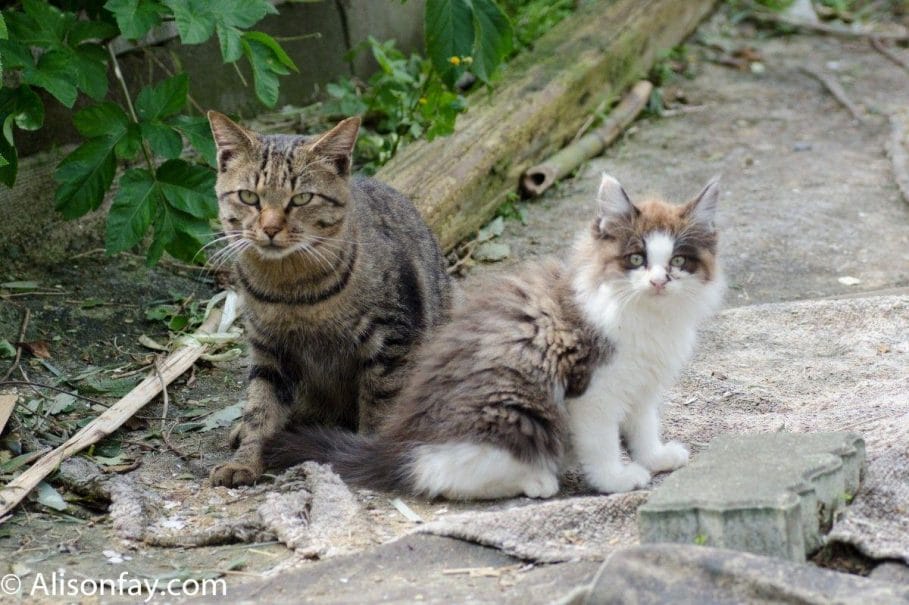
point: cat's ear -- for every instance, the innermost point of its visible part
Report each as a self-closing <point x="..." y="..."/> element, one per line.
<point x="231" y="139"/>
<point x="702" y="209"/>
<point x="612" y="202"/>
<point x="337" y="144"/>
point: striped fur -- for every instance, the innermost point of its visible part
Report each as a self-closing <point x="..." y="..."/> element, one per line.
<point x="340" y="277"/>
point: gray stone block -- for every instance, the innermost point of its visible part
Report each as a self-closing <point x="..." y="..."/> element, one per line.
<point x="694" y="575"/>
<point x="771" y="493"/>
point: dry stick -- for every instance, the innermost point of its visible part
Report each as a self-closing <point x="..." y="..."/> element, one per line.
<point x="828" y="29"/>
<point x="884" y="50"/>
<point x="899" y="158"/>
<point x="173" y="366"/>
<point x="541" y="177"/>
<point x="834" y="88"/>
<point x="22" y="328"/>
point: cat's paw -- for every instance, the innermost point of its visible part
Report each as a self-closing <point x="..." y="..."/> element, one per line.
<point x="233" y="474"/>
<point x="541" y="485"/>
<point x="236" y="435"/>
<point x="624" y="478"/>
<point x="666" y="457"/>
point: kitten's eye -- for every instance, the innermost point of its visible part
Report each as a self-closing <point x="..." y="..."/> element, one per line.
<point x="248" y="197"/>
<point x="301" y="199"/>
<point x="636" y="260"/>
<point x="677" y="261"/>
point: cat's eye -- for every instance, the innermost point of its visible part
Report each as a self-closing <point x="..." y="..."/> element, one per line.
<point x="301" y="199"/>
<point x="636" y="260"/>
<point x="677" y="261"/>
<point x="248" y="197"/>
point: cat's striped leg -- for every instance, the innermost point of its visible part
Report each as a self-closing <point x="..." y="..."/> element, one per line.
<point x="270" y="401"/>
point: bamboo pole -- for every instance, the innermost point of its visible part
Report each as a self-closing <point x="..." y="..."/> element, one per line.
<point x="111" y="419"/>
<point x="541" y="177"/>
<point x="457" y="182"/>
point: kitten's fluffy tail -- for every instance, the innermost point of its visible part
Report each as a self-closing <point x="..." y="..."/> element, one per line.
<point x="361" y="460"/>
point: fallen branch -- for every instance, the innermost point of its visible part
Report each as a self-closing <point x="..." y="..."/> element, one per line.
<point x="541" y="177"/>
<point x="824" y="28"/>
<point x="111" y="419"/>
<point x="882" y="48"/>
<point x="22" y="328"/>
<point x="457" y="182"/>
<point x="899" y="158"/>
<point x="834" y="88"/>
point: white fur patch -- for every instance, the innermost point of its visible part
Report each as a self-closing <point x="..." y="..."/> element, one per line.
<point x="653" y="336"/>
<point x="463" y="470"/>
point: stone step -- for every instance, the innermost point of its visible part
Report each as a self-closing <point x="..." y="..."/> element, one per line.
<point x="773" y="494"/>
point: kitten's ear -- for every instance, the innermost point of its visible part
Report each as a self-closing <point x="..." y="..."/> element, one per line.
<point x="231" y="139"/>
<point x="337" y="144"/>
<point x="702" y="209"/>
<point x="612" y="202"/>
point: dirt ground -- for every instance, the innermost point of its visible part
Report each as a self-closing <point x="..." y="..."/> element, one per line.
<point x="808" y="200"/>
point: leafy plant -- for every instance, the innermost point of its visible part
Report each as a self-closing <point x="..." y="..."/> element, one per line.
<point x="405" y="100"/>
<point x="67" y="52"/>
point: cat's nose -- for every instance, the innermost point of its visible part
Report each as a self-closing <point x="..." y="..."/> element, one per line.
<point x="271" y="230"/>
<point x="659" y="282"/>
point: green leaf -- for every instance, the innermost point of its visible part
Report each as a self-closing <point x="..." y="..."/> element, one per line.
<point x="129" y="145"/>
<point x="85" y="175"/>
<point x="6" y="349"/>
<point x="39" y="24"/>
<point x="9" y="170"/>
<point x="15" y="55"/>
<point x="54" y="73"/>
<point x="90" y="65"/>
<point x="82" y="31"/>
<point x="106" y="119"/>
<point x="493" y="39"/>
<point x="263" y="63"/>
<point x="164" y="99"/>
<point x="189" y="188"/>
<point x="163" y="140"/>
<point x="449" y="32"/>
<point x="230" y="40"/>
<point x="181" y="234"/>
<point x="3" y="161"/>
<point x="198" y="132"/>
<point x="4" y="34"/>
<point x="195" y="19"/>
<point x="131" y="212"/>
<point x="223" y="417"/>
<point x="23" y="106"/>
<point x="135" y="17"/>
<point x="276" y="49"/>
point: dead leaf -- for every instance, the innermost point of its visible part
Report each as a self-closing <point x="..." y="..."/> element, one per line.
<point x="492" y="252"/>
<point x="38" y="348"/>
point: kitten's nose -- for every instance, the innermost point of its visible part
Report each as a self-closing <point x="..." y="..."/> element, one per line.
<point x="271" y="230"/>
<point x="659" y="282"/>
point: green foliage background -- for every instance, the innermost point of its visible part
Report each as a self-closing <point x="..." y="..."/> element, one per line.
<point x="65" y="48"/>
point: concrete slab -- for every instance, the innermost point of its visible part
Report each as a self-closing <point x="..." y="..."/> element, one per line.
<point x="770" y="493"/>
<point x="685" y="574"/>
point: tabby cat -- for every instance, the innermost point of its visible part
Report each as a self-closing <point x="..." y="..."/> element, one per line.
<point x="340" y="279"/>
<point x="559" y="357"/>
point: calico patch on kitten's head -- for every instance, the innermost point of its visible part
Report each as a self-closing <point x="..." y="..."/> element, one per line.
<point x="279" y="192"/>
<point x="652" y="247"/>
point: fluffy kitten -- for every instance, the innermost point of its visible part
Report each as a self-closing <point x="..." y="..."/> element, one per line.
<point x="340" y="279"/>
<point x="559" y="356"/>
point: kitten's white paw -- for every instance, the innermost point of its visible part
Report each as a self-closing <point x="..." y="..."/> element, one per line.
<point x="622" y="479"/>
<point x="667" y="457"/>
<point x="541" y="485"/>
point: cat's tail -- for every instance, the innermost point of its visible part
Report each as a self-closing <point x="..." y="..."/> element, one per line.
<point x="361" y="460"/>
